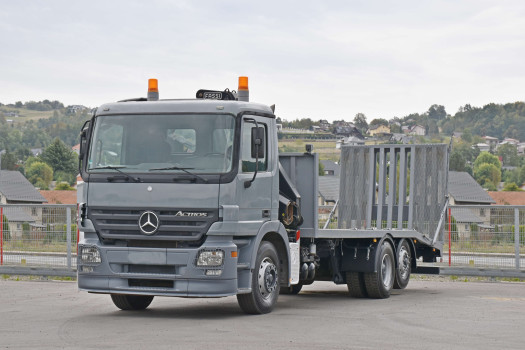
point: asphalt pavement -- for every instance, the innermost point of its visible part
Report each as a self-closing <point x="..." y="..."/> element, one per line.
<point x="435" y="314"/>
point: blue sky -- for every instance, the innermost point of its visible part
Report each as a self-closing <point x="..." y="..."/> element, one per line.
<point x="317" y="59"/>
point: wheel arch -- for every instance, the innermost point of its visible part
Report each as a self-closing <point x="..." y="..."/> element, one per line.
<point x="279" y="238"/>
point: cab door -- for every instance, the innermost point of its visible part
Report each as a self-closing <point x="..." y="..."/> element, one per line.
<point x="255" y="197"/>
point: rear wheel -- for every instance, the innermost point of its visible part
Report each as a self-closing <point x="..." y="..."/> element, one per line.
<point x="265" y="282"/>
<point x="404" y="265"/>
<point x="131" y="302"/>
<point x="379" y="284"/>
<point x="355" y="282"/>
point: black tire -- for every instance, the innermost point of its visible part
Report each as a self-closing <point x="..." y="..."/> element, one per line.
<point x="403" y="265"/>
<point x="265" y="282"/>
<point x="379" y="284"/>
<point x="292" y="290"/>
<point x="355" y="281"/>
<point x="131" y="302"/>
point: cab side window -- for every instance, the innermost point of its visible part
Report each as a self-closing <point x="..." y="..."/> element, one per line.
<point x="248" y="154"/>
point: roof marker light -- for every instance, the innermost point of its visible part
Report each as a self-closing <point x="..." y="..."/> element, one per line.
<point x="243" y="83"/>
<point x="153" y="85"/>
<point x="243" y="94"/>
<point x="153" y="90"/>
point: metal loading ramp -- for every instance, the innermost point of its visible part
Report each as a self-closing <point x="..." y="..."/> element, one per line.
<point x="396" y="189"/>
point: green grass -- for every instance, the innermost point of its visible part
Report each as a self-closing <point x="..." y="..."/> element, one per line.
<point x="26" y="114"/>
<point x="37" y="246"/>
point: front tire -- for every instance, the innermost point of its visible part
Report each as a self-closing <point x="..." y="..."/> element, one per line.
<point x="131" y="302"/>
<point x="379" y="284"/>
<point x="404" y="265"/>
<point x="265" y="282"/>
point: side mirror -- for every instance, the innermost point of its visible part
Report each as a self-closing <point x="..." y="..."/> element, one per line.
<point x="258" y="146"/>
<point x="83" y="144"/>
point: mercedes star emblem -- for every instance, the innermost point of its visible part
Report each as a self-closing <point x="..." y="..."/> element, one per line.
<point x="149" y="223"/>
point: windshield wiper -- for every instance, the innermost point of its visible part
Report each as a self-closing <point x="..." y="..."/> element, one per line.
<point x="116" y="168"/>
<point x="182" y="169"/>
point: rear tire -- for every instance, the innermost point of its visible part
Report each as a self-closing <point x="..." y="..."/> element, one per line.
<point x="355" y="282"/>
<point x="379" y="284"/>
<point x="404" y="265"/>
<point x="265" y="282"/>
<point x="131" y="302"/>
<point x="292" y="290"/>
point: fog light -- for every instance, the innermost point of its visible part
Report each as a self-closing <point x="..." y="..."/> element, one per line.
<point x="90" y="255"/>
<point x="213" y="272"/>
<point x="210" y="258"/>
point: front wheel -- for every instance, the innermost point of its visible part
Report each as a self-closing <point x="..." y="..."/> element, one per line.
<point x="131" y="302"/>
<point x="379" y="284"/>
<point x="265" y="282"/>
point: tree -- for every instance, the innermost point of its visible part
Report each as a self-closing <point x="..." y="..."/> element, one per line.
<point x="39" y="174"/>
<point x="511" y="187"/>
<point x="487" y="175"/>
<point x="321" y="169"/>
<point x="467" y="136"/>
<point x="509" y="154"/>
<point x="60" y="157"/>
<point x="379" y="121"/>
<point x="360" y="122"/>
<point x="437" y="112"/>
<point x="486" y="157"/>
<point x="8" y="161"/>
<point x="64" y="186"/>
<point x="457" y="162"/>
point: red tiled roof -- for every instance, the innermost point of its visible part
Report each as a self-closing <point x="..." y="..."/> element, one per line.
<point x="508" y="198"/>
<point x="60" y="197"/>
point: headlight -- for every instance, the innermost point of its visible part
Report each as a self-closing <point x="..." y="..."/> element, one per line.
<point x="210" y="258"/>
<point x="89" y="255"/>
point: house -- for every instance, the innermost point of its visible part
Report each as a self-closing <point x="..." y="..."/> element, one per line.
<point x="76" y="148"/>
<point x="457" y="134"/>
<point x="60" y="197"/>
<point x="464" y="190"/>
<point x="521" y="148"/>
<point x="483" y="147"/>
<point x="16" y="189"/>
<point x="331" y="168"/>
<point x="351" y="140"/>
<point x="76" y="108"/>
<point x="328" y="190"/>
<point x="36" y="151"/>
<point x="491" y="141"/>
<point x="405" y="139"/>
<point x="378" y="129"/>
<point x="324" y="124"/>
<point x="507" y="197"/>
<point x="417" y="130"/>
<point x="510" y="141"/>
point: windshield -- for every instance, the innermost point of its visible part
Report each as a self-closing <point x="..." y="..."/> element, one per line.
<point x="200" y="143"/>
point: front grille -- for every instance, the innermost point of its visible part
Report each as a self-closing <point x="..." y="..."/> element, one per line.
<point x="122" y="223"/>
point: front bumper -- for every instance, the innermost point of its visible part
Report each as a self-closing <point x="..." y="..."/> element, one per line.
<point x="159" y="271"/>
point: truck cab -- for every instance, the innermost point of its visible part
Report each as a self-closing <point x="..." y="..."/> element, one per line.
<point x="181" y="198"/>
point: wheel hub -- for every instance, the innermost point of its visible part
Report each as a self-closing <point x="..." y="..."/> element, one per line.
<point x="404" y="262"/>
<point x="386" y="271"/>
<point x="267" y="278"/>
